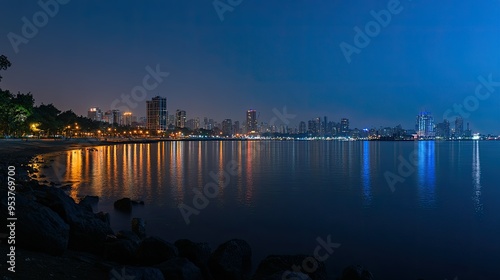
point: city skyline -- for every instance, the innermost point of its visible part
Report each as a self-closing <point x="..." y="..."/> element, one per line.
<point x="254" y="59"/>
<point x="159" y="119"/>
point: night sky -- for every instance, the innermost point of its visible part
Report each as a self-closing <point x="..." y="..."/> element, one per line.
<point x="262" y="55"/>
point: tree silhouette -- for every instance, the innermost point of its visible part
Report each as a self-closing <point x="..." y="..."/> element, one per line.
<point x="4" y="64"/>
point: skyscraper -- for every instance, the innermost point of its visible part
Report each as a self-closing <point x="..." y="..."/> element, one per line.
<point x="127" y="118"/>
<point x="180" y="118"/>
<point x="251" y="123"/>
<point x="302" y="127"/>
<point x="459" y="127"/>
<point x="227" y="127"/>
<point x="443" y="130"/>
<point x="117" y="117"/>
<point x="236" y="127"/>
<point x="156" y="110"/>
<point x="425" y="125"/>
<point x="94" y="114"/>
<point x="344" y="126"/>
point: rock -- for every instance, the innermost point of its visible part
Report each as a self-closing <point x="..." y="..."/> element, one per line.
<point x="137" y="202"/>
<point x="356" y="272"/>
<point x="279" y="264"/>
<point x="66" y="187"/>
<point x="128" y="235"/>
<point x="121" y="250"/>
<point x="154" y="250"/>
<point x="139" y="227"/>
<point x="89" y="201"/>
<point x="124" y="205"/>
<point x="197" y="253"/>
<point x="136" y="273"/>
<point x="231" y="260"/>
<point x="180" y="269"/>
<point x="104" y="217"/>
<point x="38" y="227"/>
<point x="87" y="231"/>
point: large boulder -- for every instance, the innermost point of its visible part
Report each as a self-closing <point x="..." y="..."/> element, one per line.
<point x="121" y="250"/>
<point x="87" y="231"/>
<point x="136" y="273"/>
<point x="138" y="226"/>
<point x="284" y="265"/>
<point x="231" y="260"/>
<point x="89" y="201"/>
<point x="37" y="227"/>
<point x="356" y="272"/>
<point x="197" y="253"/>
<point x="123" y="205"/>
<point x="128" y="235"/>
<point x="180" y="269"/>
<point x="154" y="250"/>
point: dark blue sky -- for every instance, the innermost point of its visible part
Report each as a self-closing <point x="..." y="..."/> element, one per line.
<point x="263" y="55"/>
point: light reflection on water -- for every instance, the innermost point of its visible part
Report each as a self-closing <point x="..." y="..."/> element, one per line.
<point x="476" y="177"/>
<point x="426" y="173"/>
<point x="291" y="192"/>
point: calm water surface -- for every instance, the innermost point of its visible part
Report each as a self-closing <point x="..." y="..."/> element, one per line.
<point x="440" y="219"/>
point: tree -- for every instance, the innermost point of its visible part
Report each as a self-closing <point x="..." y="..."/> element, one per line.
<point x="4" y="64"/>
<point x="46" y="116"/>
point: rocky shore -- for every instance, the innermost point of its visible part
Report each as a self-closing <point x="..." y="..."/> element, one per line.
<point x="59" y="238"/>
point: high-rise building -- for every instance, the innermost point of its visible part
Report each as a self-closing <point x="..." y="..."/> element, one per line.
<point x="180" y="118"/>
<point x="236" y="127"/>
<point x="251" y="123"/>
<point x="171" y="120"/>
<point x="344" y="125"/>
<point x="324" y="127"/>
<point x="193" y="124"/>
<point x="156" y="110"/>
<point x="95" y="114"/>
<point x="107" y="117"/>
<point x="227" y="127"/>
<point x="302" y="127"/>
<point x="443" y="130"/>
<point x="459" y="127"/>
<point x="117" y="117"/>
<point x="425" y="125"/>
<point x="126" y="118"/>
<point x="314" y="126"/>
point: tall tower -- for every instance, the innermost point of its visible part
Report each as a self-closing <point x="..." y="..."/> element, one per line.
<point x="251" y="122"/>
<point x="459" y="127"/>
<point x="180" y="118"/>
<point x="344" y="125"/>
<point x="156" y="111"/>
<point x="425" y="125"/>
